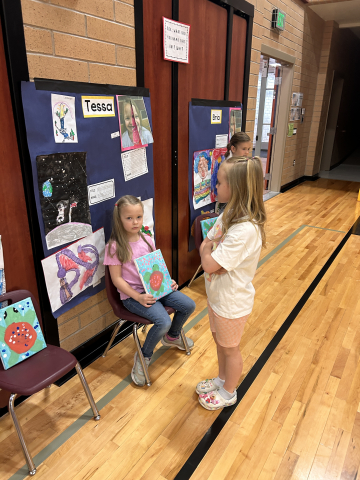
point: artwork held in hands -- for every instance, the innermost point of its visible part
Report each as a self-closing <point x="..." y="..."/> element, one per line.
<point x="154" y="274"/>
<point x="74" y="268"/>
<point x="20" y="333"/>
<point x="63" y="194"/>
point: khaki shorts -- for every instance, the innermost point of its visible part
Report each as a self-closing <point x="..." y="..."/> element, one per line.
<point x="228" y="330"/>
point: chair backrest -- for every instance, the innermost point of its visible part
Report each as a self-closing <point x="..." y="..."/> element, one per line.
<point x="17" y="296"/>
<point x="197" y="228"/>
<point x="111" y="290"/>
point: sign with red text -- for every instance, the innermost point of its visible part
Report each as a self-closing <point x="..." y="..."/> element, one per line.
<point x="176" y="41"/>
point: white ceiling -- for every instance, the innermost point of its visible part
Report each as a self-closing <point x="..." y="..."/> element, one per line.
<point x="346" y="14"/>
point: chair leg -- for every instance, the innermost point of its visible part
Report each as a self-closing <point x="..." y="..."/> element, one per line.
<point x="144" y="329"/>
<point x="141" y="356"/>
<point x="193" y="278"/>
<point x="183" y="338"/>
<point x="29" y="460"/>
<point x="115" y="331"/>
<point x="87" y="391"/>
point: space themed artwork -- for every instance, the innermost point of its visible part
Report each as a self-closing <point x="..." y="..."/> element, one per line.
<point x="74" y="268"/>
<point x="63" y="194"/>
<point x="63" y="118"/>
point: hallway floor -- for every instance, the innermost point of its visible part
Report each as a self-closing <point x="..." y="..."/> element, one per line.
<point x="349" y="170"/>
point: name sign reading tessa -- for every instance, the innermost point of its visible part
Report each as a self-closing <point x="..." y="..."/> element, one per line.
<point x="98" y="106"/>
<point x="216" y="116"/>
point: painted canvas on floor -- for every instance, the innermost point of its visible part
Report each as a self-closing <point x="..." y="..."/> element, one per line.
<point x="20" y="333"/>
<point x="154" y="274"/>
<point x="206" y="225"/>
<point x="74" y="268"/>
<point x="202" y="178"/>
<point x="218" y="156"/>
<point x="63" y="195"/>
<point x="63" y="118"/>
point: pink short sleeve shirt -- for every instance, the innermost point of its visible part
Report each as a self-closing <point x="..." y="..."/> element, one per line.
<point x="128" y="271"/>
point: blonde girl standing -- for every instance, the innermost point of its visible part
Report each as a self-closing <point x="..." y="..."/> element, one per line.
<point x="229" y="256"/>
<point x="126" y="244"/>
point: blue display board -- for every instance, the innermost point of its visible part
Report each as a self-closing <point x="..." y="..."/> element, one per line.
<point x="202" y="136"/>
<point x="103" y="155"/>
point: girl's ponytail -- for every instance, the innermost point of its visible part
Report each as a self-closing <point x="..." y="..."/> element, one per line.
<point x="228" y="150"/>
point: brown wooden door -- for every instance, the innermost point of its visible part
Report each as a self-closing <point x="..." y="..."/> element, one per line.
<point x="203" y="78"/>
<point x="14" y="226"/>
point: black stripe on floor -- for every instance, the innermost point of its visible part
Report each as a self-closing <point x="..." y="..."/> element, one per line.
<point x="210" y="436"/>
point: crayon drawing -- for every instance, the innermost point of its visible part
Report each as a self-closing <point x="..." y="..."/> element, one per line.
<point x="202" y="178"/>
<point x="218" y="157"/>
<point x="20" y="333"/>
<point x="154" y="274"/>
<point x="63" y="195"/>
<point x="74" y="268"/>
<point x="63" y="118"/>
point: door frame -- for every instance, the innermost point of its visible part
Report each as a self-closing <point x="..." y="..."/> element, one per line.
<point x="233" y="7"/>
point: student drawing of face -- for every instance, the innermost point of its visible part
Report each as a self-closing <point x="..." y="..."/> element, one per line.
<point x="61" y="206"/>
<point x="203" y="168"/>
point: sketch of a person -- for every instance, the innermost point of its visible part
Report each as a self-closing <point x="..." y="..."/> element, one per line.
<point x="202" y="167"/>
<point x="65" y="293"/>
<point x="61" y="114"/>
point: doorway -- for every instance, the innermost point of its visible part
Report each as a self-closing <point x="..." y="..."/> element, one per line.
<point x="268" y="93"/>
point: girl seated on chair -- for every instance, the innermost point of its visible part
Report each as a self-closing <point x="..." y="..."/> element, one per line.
<point x="127" y="243"/>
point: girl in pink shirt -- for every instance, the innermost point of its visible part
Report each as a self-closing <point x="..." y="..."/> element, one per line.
<point x="126" y="244"/>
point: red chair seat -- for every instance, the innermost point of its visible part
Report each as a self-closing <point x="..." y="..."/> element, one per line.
<point x="38" y="371"/>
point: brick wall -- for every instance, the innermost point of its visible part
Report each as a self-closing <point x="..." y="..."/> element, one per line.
<point x="83" y="40"/>
<point x="302" y="39"/>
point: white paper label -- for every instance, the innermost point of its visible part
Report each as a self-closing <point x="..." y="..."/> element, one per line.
<point x="216" y="116"/>
<point x="221" y="141"/>
<point x="98" y="106"/>
<point x="115" y="134"/>
<point x="134" y="163"/>
<point x="99" y="192"/>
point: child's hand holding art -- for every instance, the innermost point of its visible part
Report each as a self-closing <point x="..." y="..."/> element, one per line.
<point x="174" y="285"/>
<point x="146" y="300"/>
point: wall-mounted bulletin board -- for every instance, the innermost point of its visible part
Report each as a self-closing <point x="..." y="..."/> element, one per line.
<point x="210" y="127"/>
<point x="83" y="158"/>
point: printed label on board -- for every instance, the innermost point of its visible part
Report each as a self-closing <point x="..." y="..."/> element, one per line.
<point x="98" y="106"/>
<point x="216" y="116"/>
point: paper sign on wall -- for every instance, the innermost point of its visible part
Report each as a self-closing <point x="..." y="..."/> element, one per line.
<point x="98" y="106"/>
<point x="176" y="38"/>
<point x="63" y="118"/>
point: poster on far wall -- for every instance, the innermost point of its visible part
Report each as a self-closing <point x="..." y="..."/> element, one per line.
<point x="202" y="178"/>
<point x="297" y="99"/>
<point x="63" y="194"/>
<point x="63" y="117"/>
<point x="74" y="268"/>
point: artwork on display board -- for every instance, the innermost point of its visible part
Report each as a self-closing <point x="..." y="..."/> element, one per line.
<point x="74" y="268"/>
<point x="202" y="178"/>
<point x="154" y="274"/>
<point x="235" y="119"/>
<point x="218" y="156"/>
<point x="63" y="118"/>
<point x="148" y="219"/>
<point x="63" y="194"/>
<point x="135" y="129"/>
<point x="20" y="333"/>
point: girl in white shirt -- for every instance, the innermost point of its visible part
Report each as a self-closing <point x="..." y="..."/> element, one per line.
<point x="229" y="257"/>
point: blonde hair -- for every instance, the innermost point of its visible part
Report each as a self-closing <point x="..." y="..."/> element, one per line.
<point x="245" y="178"/>
<point x="118" y="234"/>
<point x="235" y="140"/>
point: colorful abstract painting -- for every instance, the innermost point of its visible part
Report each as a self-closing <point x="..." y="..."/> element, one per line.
<point x="20" y="333"/>
<point x="218" y="156"/>
<point x="202" y="178"/>
<point x="63" y="195"/>
<point x="154" y="274"/>
<point x="206" y="225"/>
<point x="63" y="118"/>
<point x="74" y="268"/>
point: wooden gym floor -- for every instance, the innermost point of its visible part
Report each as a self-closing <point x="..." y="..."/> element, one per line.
<point x="298" y="415"/>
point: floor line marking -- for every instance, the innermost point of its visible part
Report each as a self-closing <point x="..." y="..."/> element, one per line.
<point x="108" y="397"/>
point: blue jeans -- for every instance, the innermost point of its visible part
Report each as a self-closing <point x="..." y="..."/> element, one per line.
<point x="157" y="314"/>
